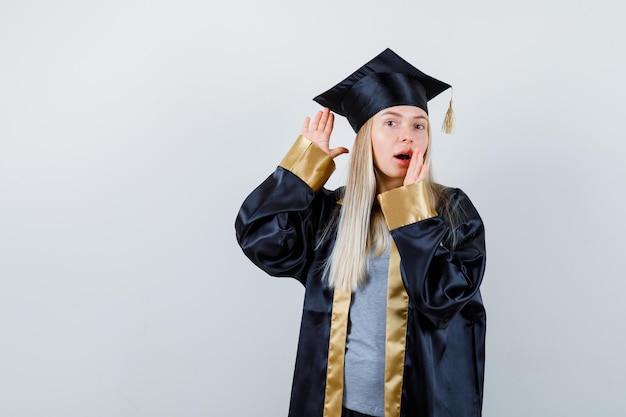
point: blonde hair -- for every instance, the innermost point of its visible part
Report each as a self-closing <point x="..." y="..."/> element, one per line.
<point x="362" y="229"/>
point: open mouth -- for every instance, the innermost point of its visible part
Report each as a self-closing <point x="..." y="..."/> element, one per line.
<point x="403" y="156"/>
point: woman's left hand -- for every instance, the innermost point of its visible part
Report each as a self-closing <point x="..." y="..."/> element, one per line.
<point x="417" y="170"/>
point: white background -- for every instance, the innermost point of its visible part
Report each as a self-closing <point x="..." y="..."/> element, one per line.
<point x="131" y="131"/>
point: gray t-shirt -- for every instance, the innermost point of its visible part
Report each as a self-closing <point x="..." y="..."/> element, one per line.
<point x="364" y="369"/>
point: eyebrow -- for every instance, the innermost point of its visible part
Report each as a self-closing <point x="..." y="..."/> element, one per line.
<point x="393" y="113"/>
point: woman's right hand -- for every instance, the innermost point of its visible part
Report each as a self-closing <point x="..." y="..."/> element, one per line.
<point x="319" y="132"/>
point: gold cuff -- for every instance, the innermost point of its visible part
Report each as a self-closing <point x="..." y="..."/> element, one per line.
<point x="405" y="205"/>
<point x="311" y="164"/>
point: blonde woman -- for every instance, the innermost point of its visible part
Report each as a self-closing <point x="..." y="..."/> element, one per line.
<point x="393" y="322"/>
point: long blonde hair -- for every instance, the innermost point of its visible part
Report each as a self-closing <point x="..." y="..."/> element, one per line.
<point x="362" y="229"/>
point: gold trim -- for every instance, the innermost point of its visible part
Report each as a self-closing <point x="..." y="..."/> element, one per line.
<point x="406" y="205"/>
<point x="309" y="163"/>
<point x="397" y="315"/>
<point x="333" y="397"/>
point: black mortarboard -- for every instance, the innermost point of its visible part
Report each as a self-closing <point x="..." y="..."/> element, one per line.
<point x="385" y="81"/>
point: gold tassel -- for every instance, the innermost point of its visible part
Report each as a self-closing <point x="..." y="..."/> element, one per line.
<point x="448" y="120"/>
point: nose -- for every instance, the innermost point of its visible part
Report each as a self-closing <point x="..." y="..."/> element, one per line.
<point x="406" y="135"/>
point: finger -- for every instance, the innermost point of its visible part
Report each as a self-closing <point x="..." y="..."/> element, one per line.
<point x="337" y="151"/>
<point x="411" y="177"/>
<point x="423" y="173"/>
<point x="417" y="160"/>
<point x="328" y="128"/>
<point x="323" y="119"/>
<point x="306" y="124"/>
<point x="414" y="169"/>
<point x="421" y="168"/>
<point x="316" y="121"/>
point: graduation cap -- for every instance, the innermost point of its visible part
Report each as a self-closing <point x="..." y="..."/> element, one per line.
<point x="385" y="81"/>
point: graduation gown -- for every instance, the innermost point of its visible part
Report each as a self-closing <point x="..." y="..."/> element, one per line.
<point x="435" y="332"/>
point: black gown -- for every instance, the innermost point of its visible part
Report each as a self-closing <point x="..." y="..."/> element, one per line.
<point x="435" y="344"/>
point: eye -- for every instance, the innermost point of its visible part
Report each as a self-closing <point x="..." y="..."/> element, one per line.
<point x="420" y="126"/>
<point x="390" y="123"/>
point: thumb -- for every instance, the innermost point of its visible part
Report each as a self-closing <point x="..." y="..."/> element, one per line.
<point x="337" y="151"/>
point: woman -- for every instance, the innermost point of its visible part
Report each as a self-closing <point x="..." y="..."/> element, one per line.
<point x="393" y="322"/>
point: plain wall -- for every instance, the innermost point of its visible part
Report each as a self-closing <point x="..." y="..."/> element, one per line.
<point x="131" y="131"/>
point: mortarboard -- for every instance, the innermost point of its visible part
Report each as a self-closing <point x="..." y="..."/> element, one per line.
<point x="385" y="81"/>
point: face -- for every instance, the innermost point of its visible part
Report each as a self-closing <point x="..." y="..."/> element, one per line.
<point x="397" y="133"/>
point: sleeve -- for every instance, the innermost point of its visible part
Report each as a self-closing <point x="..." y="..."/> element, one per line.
<point x="277" y="224"/>
<point x="440" y="277"/>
